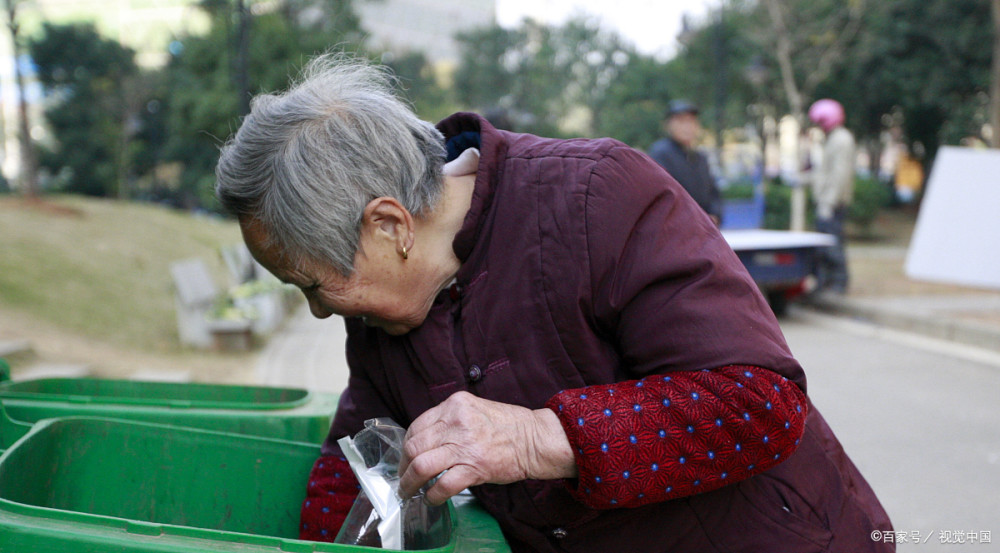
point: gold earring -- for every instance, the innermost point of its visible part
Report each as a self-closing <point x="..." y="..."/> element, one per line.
<point x="406" y="255"/>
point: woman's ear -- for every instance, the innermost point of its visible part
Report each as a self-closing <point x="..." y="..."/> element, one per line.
<point x="386" y="221"/>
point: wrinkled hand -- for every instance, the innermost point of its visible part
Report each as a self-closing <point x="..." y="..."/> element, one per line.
<point x="480" y="441"/>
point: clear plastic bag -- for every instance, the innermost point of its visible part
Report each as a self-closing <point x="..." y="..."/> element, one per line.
<point x="379" y="518"/>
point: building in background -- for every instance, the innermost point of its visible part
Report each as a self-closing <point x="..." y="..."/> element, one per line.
<point x="423" y="25"/>
<point x="146" y="26"/>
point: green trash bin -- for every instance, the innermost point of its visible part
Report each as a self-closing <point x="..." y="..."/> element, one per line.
<point x="284" y="413"/>
<point x="94" y="485"/>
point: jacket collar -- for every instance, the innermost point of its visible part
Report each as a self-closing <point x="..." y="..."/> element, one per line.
<point x="492" y="151"/>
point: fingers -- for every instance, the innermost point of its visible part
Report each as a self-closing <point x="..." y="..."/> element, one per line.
<point x="422" y="468"/>
<point x="442" y="438"/>
<point x="476" y="441"/>
<point x="451" y="483"/>
<point x="425" y="434"/>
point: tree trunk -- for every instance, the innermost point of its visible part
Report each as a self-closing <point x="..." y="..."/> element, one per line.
<point x="28" y="177"/>
<point x="995" y="80"/>
<point x="783" y="52"/>
<point x="784" y="55"/>
<point x="243" y="56"/>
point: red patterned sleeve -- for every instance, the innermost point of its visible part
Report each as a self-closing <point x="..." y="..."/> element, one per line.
<point x="330" y="494"/>
<point x="669" y="436"/>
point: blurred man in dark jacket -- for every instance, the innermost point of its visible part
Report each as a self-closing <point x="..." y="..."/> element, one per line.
<point x="676" y="153"/>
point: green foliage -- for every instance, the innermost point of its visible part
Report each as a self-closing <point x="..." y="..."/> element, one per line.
<point x="484" y="78"/>
<point x="203" y="96"/>
<point x="870" y="197"/>
<point x="738" y="191"/>
<point x="927" y="62"/>
<point x="777" y="206"/>
<point x="514" y="70"/>
<point x="87" y="80"/>
<point x="552" y="80"/>
<point x="712" y="64"/>
<point x="578" y="79"/>
<point x="416" y="76"/>
<point x="921" y="63"/>
<point x="634" y="105"/>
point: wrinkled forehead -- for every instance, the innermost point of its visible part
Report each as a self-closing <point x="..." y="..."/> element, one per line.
<point x="263" y="247"/>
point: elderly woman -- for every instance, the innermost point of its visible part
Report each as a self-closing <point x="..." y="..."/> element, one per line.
<point x="557" y="322"/>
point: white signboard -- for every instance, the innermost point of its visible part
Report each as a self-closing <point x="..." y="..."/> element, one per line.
<point x="957" y="236"/>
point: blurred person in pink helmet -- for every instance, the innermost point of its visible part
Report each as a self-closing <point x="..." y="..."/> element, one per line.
<point x="833" y="189"/>
<point x="827" y="114"/>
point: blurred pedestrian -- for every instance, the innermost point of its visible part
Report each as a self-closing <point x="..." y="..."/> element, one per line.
<point x="677" y="153"/>
<point x="833" y="189"/>
<point x="909" y="178"/>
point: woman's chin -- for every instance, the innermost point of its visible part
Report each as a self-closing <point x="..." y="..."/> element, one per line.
<point x="396" y="330"/>
<point x="390" y="327"/>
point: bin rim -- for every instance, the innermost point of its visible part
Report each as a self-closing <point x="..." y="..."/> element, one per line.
<point x="41" y="424"/>
<point x="76" y="522"/>
<point x="9" y="390"/>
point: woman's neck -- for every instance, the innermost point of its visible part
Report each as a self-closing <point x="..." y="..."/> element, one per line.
<point x="438" y="230"/>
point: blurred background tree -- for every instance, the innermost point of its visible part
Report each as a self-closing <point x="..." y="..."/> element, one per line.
<point x="208" y="80"/>
<point x="995" y="79"/>
<point x="88" y="80"/>
<point x="420" y="84"/>
<point x="923" y="65"/>
<point x="712" y="64"/>
<point x="26" y="147"/>
<point x="551" y="80"/>
<point x="634" y="104"/>
<point x="925" y="62"/>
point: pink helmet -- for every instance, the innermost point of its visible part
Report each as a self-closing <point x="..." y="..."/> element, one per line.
<point x="827" y="113"/>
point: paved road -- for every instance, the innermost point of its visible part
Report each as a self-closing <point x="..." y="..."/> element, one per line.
<point x="308" y="353"/>
<point x="920" y="418"/>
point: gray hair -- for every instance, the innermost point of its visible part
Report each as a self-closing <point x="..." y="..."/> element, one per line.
<point x="306" y="162"/>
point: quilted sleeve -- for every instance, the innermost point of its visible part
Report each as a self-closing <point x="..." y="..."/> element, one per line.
<point x="330" y="494"/>
<point x="669" y="436"/>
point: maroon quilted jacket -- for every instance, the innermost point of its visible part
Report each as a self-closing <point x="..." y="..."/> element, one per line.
<point x="592" y="284"/>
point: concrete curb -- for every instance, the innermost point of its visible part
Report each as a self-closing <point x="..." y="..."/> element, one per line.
<point x="935" y="323"/>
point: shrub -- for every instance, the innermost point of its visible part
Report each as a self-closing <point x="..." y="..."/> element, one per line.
<point x="738" y="190"/>
<point x="870" y="196"/>
<point x="777" y="206"/>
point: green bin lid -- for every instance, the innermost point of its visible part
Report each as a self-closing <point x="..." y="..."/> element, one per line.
<point x="158" y="394"/>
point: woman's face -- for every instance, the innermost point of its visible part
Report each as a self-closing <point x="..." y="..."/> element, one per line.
<point x="383" y="291"/>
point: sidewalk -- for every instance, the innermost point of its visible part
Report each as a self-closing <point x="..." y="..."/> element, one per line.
<point x="306" y="353"/>
<point x="881" y="293"/>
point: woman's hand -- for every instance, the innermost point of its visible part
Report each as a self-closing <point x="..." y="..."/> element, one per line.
<point x="480" y="441"/>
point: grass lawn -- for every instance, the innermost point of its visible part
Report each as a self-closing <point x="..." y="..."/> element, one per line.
<point x="99" y="269"/>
